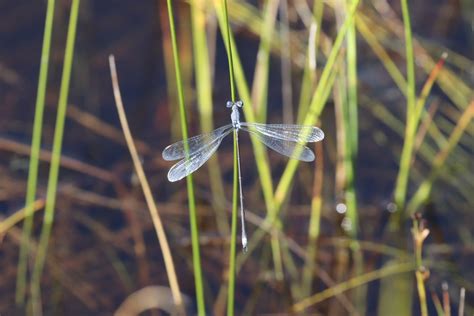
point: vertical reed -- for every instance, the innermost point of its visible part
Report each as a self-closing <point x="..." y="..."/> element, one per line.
<point x="55" y="162"/>
<point x="34" y="158"/>
<point x="189" y="179"/>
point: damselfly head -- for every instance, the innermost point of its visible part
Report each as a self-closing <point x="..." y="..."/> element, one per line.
<point x="229" y="104"/>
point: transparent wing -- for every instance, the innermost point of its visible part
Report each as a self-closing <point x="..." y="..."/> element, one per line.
<point x="176" y="151"/>
<point x="288" y="148"/>
<point x="196" y="160"/>
<point x="289" y="132"/>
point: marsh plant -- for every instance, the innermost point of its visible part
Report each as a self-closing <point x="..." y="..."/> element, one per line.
<point x="372" y="223"/>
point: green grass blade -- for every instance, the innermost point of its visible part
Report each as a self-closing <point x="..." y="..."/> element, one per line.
<point x="233" y="235"/>
<point x="34" y="158"/>
<point x="412" y="122"/>
<point x="55" y="161"/>
<point x="314" y="225"/>
<point x="198" y="280"/>
<point x="381" y="53"/>
<point x="393" y="269"/>
<point x="352" y="141"/>
<point x="244" y="94"/>
<point x="424" y="190"/>
<point x="205" y="105"/>
<point x="317" y="104"/>
<point x="262" y="67"/>
<point x="235" y="185"/>
<point x="309" y="72"/>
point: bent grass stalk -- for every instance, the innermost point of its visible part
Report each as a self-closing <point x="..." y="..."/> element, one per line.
<point x="157" y="223"/>
<point x="357" y="281"/>
<point x="189" y="179"/>
<point x="7" y="223"/>
<point x="34" y="158"/>
<point x="55" y="162"/>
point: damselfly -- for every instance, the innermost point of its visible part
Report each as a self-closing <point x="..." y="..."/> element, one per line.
<point x="286" y="139"/>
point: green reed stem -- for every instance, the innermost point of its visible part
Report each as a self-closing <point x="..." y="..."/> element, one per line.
<point x="357" y="281"/>
<point x="424" y="189"/>
<point x="381" y="53"/>
<point x="55" y="161"/>
<point x="317" y="104"/>
<point x="205" y="106"/>
<point x="309" y="72"/>
<point x="230" y="57"/>
<point x="314" y="224"/>
<point x="189" y="179"/>
<point x="233" y="236"/>
<point x="262" y="66"/>
<point x="235" y="189"/>
<point x="352" y="140"/>
<point x="411" y="121"/>
<point x="244" y="94"/>
<point x="34" y="158"/>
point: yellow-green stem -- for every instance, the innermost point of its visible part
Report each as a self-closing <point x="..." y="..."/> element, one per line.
<point x="233" y="236"/>
<point x="198" y="281"/>
<point x="34" y="158"/>
<point x="411" y="119"/>
<point x="205" y="106"/>
<point x="55" y="162"/>
<point x="235" y="188"/>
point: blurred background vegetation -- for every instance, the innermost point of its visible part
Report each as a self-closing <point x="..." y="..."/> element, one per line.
<point x="380" y="224"/>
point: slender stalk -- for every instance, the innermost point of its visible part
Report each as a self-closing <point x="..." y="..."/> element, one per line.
<point x="352" y="142"/>
<point x="262" y="67"/>
<point x="233" y="235"/>
<point x="411" y="119"/>
<point x="236" y="182"/>
<point x="437" y="304"/>
<point x="55" y="161"/>
<point x="309" y="73"/>
<point x="424" y="189"/>
<point x="205" y="105"/>
<point x="244" y="95"/>
<point x="7" y="223"/>
<point x="189" y="180"/>
<point x="230" y="57"/>
<point x="314" y="223"/>
<point x="353" y="283"/>
<point x="170" y="75"/>
<point x="420" y="233"/>
<point x="317" y="104"/>
<point x="34" y="158"/>
<point x="157" y="223"/>
<point x="286" y="80"/>
<point x="381" y="53"/>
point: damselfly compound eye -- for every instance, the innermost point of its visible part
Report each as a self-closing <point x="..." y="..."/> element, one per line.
<point x="229" y="104"/>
